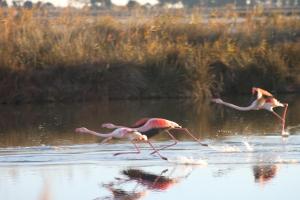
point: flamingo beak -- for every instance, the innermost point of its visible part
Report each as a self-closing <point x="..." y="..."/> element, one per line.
<point x="253" y="90"/>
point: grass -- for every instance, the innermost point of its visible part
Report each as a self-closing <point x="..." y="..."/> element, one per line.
<point x="77" y="57"/>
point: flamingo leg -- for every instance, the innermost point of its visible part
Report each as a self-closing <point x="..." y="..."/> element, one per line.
<point x="278" y="116"/>
<point x="190" y="134"/>
<point x="105" y="140"/>
<point x="130" y="152"/>
<point x="284" y="118"/>
<point x="167" y="146"/>
<point x="158" y="177"/>
<point x="156" y="151"/>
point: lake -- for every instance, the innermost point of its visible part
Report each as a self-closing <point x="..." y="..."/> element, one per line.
<point x="42" y="158"/>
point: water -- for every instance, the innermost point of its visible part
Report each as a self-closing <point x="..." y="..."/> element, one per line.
<point x="42" y="158"/>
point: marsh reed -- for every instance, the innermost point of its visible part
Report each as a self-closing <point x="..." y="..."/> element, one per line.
<point x="74" y="56"/>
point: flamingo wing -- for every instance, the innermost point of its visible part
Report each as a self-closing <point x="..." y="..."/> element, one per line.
<point x="159" y="123"/>
<point x="139" y="123"/>
<point x="261" y="92"/>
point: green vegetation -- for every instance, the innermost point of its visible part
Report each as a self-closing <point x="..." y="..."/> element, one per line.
<point x="76" y="57"/>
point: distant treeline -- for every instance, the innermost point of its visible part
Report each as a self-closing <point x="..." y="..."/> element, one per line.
<point x="186" y="3"/>
<point x="77" y="57"/>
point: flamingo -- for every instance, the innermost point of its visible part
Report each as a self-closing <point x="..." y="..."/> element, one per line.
<point x="152" y="126"/>
<point x="264" y="101"/>
<point x="119" y="133"/>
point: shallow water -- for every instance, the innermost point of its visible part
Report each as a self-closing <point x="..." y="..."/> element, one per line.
<point x="42" y="158"/>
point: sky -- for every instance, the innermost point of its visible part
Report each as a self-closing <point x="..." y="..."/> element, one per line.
<point x="66" y="2"/>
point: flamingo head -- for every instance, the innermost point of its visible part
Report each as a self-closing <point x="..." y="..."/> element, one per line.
<point x="254" y="90"/>
<point x="217" y="100"/>
<point x="174" y="125"/>
<point x="81" y="130"/>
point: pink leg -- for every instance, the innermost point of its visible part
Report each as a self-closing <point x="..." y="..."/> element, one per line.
<point x="174" y="143"/>
<point x="278" y="116"/>
<point x="105" y="140"/>
<point x="131" y="152"/>
<point x="190" y="134"/>
<point x="158" y="177"/>
<point x="156" y="150"/>
<point x="284" y="117"/>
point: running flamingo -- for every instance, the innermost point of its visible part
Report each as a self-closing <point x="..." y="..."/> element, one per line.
<point x="153" y="126"/>
<point x="264" y="100"/>
<point x="128" y="133"/>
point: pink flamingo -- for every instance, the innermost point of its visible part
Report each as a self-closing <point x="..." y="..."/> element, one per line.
<point x="119" y="133"/>
<point x="153" y="126"/>
<point x="264" y="101"/>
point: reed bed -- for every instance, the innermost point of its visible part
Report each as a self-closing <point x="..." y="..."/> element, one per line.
<point x="74" y="56"/>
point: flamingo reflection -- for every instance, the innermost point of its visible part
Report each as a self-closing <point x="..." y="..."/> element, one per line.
<point x="264" y="173"/>
<point x="146" y="181"/>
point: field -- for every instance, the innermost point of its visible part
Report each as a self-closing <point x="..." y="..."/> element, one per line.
<point x="74" y="56"/>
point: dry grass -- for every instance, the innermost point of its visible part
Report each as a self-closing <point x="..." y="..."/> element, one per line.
<point x="78" y="57"/>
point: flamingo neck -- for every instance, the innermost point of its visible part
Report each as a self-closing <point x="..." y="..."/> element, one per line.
<point x="118" y="126"/>
<point x="143" y="128"/>
<point x="98" y="134"/>
<point x="247" y="108"/>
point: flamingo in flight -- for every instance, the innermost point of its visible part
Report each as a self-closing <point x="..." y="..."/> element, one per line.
<point x="264" y="101"/>
<point x="152" y="126"/>
<point x="123" y="132"/>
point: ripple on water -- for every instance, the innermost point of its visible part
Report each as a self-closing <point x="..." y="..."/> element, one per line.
<point x="231" y="150"/>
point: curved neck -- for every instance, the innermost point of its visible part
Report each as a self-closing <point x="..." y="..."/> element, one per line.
<point x="251" y="107"/>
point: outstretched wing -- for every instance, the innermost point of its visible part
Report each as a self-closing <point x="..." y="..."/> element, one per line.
<point x="261" y="93"/>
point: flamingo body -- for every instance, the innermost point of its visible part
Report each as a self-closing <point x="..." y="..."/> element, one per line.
<point x="156" y="123"/>
<point x="268" y="103"/>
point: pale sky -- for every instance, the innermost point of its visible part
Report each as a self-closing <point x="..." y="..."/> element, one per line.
<point x="66" y="2"/>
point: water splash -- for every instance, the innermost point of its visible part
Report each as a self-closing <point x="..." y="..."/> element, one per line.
<point x="287" y="161"/>
<point x="285" y="133"/>
<point x="182" y="160"/>
<point x="296" y="127"/>
<point x="226" y="148"/>
<point x="248" y="146"/>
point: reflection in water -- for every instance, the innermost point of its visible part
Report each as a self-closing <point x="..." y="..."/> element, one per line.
<point x="148" y="181"/>
<point x="264" y="173"/>
<point x="122" y="194"/>
<point x="45" y="190"/>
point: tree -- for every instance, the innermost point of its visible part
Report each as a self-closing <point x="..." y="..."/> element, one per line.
<point x="3" y="4"/>
<point x="28" y="4"/>
<point x="132" y="4"/>
<point x="17" y="3"/>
